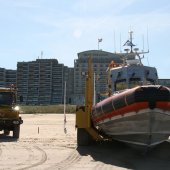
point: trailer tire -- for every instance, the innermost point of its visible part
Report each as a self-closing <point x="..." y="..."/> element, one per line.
<point x="16" y="131"/>
<point x="83" y="137"/>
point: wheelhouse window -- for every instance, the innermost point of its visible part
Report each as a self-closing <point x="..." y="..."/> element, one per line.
<point x="120" y="85"/>
<point x="133" y="82"/>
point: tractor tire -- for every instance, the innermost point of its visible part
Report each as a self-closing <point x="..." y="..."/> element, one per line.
<point x="83" y="137"/>
<point x="16" y="131"/>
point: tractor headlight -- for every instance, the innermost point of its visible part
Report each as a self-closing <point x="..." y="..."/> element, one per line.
<point x="16" y="108"/>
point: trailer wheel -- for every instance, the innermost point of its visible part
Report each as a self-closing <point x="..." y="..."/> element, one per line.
<point x="16" y="131"/>
<point x="6" y="132"/>
<point x="83" y="137"/>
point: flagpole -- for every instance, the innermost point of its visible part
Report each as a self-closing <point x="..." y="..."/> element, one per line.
<point x="65" y="130"/>
<point x="99" y="40"/>
<point x="98" y="44"/>
<point x="65" y="100"/>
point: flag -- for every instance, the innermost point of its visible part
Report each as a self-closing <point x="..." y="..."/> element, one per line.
<point x="100" y="40"/>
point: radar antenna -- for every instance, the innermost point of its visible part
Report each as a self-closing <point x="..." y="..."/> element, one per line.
<point x="129" y="42"/>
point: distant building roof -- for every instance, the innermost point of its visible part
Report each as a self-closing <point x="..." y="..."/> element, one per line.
<point x="99" y="56"/>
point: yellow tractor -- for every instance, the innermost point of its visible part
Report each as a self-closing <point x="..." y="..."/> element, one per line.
<point x="10" y="119"/>
<point x="86" y="132"/>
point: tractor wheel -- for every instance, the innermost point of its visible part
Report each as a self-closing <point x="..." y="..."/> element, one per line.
<point x="16" y="131"/>
<point x="83" y="137"/>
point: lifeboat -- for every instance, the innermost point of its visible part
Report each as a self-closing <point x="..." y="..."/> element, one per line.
<point x="139" y="115"/>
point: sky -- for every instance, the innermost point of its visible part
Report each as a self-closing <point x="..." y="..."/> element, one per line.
<point x="63" y="28"/>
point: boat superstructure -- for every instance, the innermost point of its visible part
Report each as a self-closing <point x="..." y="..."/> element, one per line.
<point x="132" y="72"/>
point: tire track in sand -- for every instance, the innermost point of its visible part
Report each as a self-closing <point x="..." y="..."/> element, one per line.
<point x="42" y="160"/>
<point x="71" y="159"/>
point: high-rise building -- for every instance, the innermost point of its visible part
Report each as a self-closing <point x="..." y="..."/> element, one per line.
<point x="69" y="79"/>
<point x="11" y="77"/>
<point x="100" y="60"/>
<point x="41" y="81"/>
<point x="2" y="77"/>
<point x="7" y="77"/>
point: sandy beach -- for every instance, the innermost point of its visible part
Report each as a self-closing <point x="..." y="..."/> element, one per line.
<point x="43" y="144"/>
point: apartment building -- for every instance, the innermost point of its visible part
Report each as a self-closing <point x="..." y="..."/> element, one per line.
<point x="2" y="77"/>
<point x="69" y="79"/>
<point x="41" y="81"/>
<point x="7" y="77"/>
<point x="101" y="60"/>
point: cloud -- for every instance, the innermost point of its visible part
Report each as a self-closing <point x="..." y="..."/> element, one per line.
<point x="77" y="33"/>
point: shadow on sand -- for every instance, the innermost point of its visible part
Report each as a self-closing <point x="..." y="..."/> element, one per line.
<point x="118" y="154"/>
<point x="4" y="138"/>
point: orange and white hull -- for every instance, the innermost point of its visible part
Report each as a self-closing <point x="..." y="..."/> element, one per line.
<point x="138" y="116"/>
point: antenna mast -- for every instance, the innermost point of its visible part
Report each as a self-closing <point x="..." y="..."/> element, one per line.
<point x="114" y="42"/>
<point x="131" y="32"/>
<point x="147" y="40"/>
<point x="143" y="43"/>
<point x="41" y="54"/>
<point x="120" y="43"/>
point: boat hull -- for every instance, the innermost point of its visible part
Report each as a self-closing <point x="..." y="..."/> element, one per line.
<point x="146" y="127"/>
<point x="145" y="123"/>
